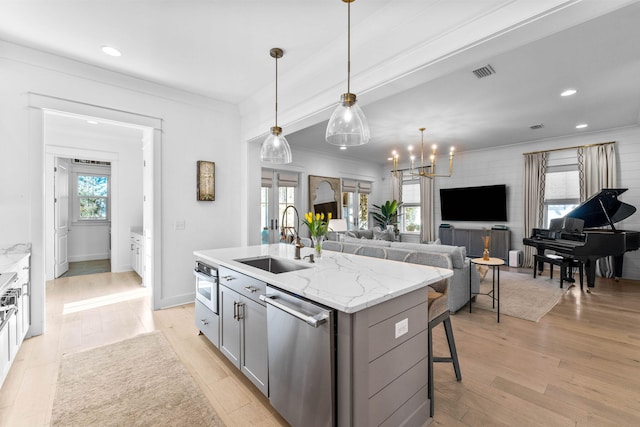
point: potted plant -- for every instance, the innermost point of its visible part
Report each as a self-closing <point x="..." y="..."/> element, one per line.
<point x="387" y="214"/>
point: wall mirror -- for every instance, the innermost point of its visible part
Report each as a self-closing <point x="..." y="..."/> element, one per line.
<point x="324" y="195"/>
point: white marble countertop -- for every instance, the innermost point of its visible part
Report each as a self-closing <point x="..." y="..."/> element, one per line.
<point x="346" y="282"/>
<point x="9" y="256"/>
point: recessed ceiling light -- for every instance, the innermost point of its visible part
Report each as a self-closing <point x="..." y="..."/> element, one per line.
<point x="568" y="92"/>
<point x="92" y="122"/>
<point x="389" y="158"/>
<point x="342" y="147"/>
<point x="111" y="51"/>
<point x="582" y="126"/>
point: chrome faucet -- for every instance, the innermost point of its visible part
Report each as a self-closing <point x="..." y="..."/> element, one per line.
<point x="296" y="234"/>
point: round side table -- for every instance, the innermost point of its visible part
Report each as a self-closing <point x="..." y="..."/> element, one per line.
<point x="495" y="296"/>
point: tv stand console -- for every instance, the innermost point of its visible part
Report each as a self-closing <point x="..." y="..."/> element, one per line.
<point x="471" y="239"/>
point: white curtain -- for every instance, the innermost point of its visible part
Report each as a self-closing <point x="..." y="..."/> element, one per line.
<point x="597" y="168"/>
<point x="535" y="166"/>
<point x="396" y="183"/>
<point x="427" y="233"/>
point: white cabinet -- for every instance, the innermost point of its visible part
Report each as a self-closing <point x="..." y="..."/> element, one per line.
<point x="137" y="253"/>
<point x="15" y="327"/>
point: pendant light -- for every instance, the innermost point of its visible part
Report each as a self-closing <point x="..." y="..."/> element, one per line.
<point x="275" y="148"/>
<point x="348" y="125"/>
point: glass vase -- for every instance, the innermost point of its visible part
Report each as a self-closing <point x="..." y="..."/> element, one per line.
<point x="485" y="253"/>
<point x="317" y="245"/>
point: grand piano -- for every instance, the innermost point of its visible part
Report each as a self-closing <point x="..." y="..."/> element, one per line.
<point x="573" y="236"/>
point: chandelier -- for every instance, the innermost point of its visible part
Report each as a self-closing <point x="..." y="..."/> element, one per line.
<point x="430" y="169"/>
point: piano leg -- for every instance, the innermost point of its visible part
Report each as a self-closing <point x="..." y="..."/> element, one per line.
<point x="617" y="266"/>
<point x="590" y="268"/>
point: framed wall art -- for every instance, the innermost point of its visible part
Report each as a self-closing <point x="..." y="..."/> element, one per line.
<point x="206" y="181"/>
<point x="324" y="195"/>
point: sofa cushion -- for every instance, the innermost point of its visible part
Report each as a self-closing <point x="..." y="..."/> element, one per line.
<point x="349" y="248"/>
<point x="457" y="253"/>
<point x="429" y="258"/>
<point x="366" y="242"/>
<point x="330" y="245"/>
<point x="396" y="254"/>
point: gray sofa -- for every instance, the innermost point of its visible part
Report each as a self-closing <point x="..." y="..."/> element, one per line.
<point x="444" y="256"/>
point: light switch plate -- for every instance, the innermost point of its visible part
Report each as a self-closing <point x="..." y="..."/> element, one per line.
<point x="402" y="327"/>
<point x="180" y="224"/>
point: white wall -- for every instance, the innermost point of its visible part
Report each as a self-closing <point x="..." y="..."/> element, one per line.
<point x="193" y="128"/>
<point x="505" y="165"/>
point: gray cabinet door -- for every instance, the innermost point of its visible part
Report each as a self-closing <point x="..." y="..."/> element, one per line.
<point x="254" y="361"/>
<point x="229" y="325"/>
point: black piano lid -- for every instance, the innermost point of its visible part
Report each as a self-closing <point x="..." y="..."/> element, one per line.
<point x="603" y="208"/>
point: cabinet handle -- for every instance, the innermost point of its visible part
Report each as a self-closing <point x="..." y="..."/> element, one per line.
<point x="240" y="306"/>
<point x="204" y="322"/>
<point x="25" y="267"/>
<point x="132" y="246"/>
<point x="137" y="251"/>
<point x="235" y="310"/>
<point x="250" y="289"/>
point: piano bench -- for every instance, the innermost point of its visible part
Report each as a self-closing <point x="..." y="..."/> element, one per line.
<point x="566" y="267"/>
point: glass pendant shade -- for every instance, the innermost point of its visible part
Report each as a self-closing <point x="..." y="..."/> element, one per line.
<point x="348" y="126"/>
<point x="275" y="148"/>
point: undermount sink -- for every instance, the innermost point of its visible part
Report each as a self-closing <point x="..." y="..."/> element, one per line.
<point x="272" y="265"/>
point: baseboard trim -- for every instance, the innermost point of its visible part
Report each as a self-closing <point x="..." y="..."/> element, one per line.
<point x="89" y="257"/>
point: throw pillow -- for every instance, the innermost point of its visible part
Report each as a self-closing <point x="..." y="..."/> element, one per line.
<point x="383" y="235"/>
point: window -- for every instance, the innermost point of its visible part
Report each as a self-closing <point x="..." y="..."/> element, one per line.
<point x="93" y="197"/>
<point x="562" y="186"/>
<point x="410" y="211"/>
<point x="355" y="203"/>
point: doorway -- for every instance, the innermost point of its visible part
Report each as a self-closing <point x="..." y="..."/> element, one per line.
<point x="82" y="204"/>
<point x="42" y="226"/>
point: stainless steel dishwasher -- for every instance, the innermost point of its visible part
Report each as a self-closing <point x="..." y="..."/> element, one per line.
<point x="301" y="340"/>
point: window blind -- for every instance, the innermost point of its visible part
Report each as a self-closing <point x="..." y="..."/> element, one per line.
<point x="287" y="179"/>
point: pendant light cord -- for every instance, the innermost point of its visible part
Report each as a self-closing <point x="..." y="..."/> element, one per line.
<point x="276" y="91"/>
<point x="349" y="47"/>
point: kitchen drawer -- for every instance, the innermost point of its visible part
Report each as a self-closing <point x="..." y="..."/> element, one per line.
<point x="207" y="322"/>
<point x="243" y="284"/>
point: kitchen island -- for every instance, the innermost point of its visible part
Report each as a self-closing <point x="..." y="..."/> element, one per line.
<point x="379" y="337"/>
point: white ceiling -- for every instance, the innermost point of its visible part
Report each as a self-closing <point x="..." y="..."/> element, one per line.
<point x="411" y="61"/>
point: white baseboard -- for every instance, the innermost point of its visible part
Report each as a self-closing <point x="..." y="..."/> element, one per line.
<point x="89" y="257"/>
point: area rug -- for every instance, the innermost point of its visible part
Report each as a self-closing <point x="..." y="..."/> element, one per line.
<point x="136" y="382"/>
<point x="521" y="295"/>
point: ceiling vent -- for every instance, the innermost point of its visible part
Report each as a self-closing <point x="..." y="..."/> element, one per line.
<point x="91" y="162"/>
<point x="538" y="126"/>
<point x="485" y="71"/>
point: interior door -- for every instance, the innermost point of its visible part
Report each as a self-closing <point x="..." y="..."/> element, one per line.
<point x="61" y="215"/>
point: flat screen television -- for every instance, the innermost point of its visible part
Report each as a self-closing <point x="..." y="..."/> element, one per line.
<point x="486" y="203"/>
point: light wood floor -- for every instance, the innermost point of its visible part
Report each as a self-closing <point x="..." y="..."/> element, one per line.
<point x="579" y="366"/>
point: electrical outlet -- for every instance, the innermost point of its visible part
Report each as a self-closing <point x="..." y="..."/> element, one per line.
<point x="180" y="224"/>
<point x="402" y="327"/>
